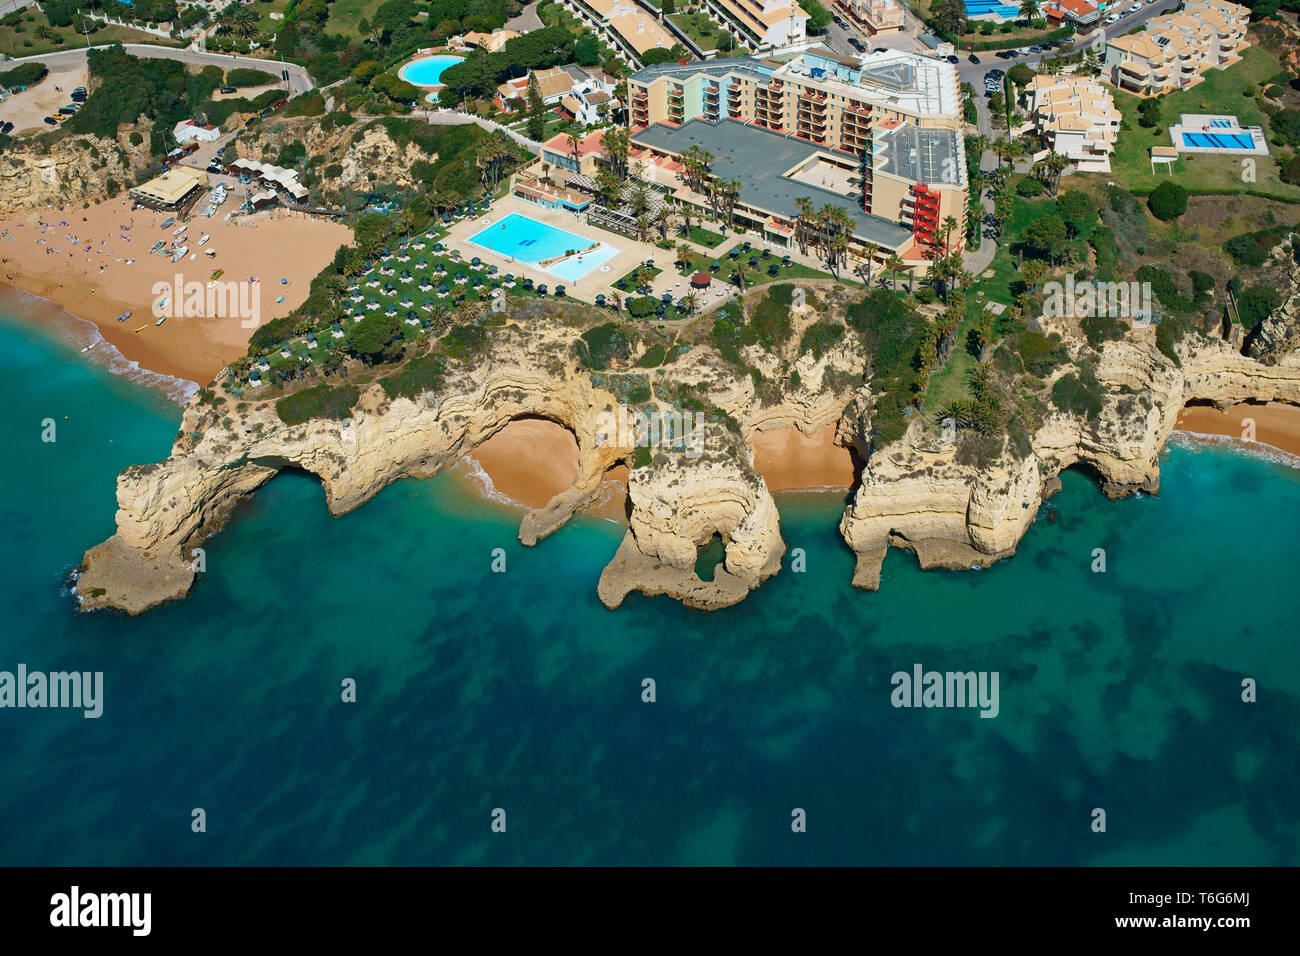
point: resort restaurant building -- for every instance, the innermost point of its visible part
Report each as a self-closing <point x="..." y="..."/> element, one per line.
<point x="275" y="177"/>
<point x="880" y="134"/>
<point x="1175" y="49"/>
<point x="176" y="189"/>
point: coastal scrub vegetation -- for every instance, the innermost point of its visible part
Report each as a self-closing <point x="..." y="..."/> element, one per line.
<point x="318" y="401"/>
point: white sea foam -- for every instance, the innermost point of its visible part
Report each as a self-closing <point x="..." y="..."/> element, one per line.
<point x="479" y="476"/>
<point x="81" y="333"/>
<point x="1253" y="449"/>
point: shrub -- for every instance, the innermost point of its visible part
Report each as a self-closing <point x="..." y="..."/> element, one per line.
<point x="1029" y="187"/>
<point x="1257" y="303"/>
<point x="1168" y="201"/>
<point x="640" y="307"/>
<point x="1079" y="393"/>
<point x="423" y="374"/>
<point x="599" y="347"/>
<point x="319" y="401"/>
<point x="242" y="77"/>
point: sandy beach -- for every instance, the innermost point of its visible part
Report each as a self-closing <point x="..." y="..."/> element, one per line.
<point x="789" y="460"/>
<point x="81" y="260"/>
<point x="1275" y="424"/>
<point x="529" y="461"/>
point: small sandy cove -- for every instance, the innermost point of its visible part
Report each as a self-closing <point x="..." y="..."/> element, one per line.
<point x="79" y="258"/>
<point x="1275" y="424"/>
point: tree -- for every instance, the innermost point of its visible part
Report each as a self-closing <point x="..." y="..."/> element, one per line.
<point x="615" y="144"/>
<point x="1044" y="237"/>
<point x="893" y="265"/>
<point x="536" y="110"/>
<point x="1077" y="209"/>
<point x="818" y="16"/>
<point x="1029" y="9"/>
<point x="684" y="254"/>
<point x="1168" y="201"/>
<point x="586" y="51"/>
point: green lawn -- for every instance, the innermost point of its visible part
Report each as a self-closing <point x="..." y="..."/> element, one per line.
<point x="346" y="15"/>
<point x="1222" y="91"/>
<point x="629" y="281"/>
<point x="759" y="275"/>
<point x="699" y="28"/>
<point x="705" y="237"/>
<point x="27" y="43"/>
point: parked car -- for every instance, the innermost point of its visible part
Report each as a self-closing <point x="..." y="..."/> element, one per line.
<point x="954" y="59"/>
<point x="1135" y="8"/>
<point x="229" y="89"/>
<point x="857" y="44"/>
<point x="5" y="128"/>
<point x="1112" y="18"/>
<point x="66" y="111"/>
<point x="51" y="121"/>
<point x="973" y="58"/>
<point x="1035" y="49"/>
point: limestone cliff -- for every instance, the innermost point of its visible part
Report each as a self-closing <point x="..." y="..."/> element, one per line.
<point x="920" y="492"/>
<point x="71" y="170"/>
<point x="915" y="493"/>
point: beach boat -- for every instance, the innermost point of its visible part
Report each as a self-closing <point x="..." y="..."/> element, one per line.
<point x="217" y="274"/>
<point x="124" y="316"/>
<point x="157" y="245"/>
<point x="209" y="212"/>
<point x="162" y="303"/>
<point x="177" y="232"/>
<point x="226" y="217"/>
<point x="203" y="239"/>
<point x="167" y="222"/>
<point x="179" y="254"/>
<point x="161" y="321"/>
<point x="143" y="327"/>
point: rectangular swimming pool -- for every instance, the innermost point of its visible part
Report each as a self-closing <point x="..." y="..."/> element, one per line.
<point x="527" y="240"/>
<point x="1219" y="140"/>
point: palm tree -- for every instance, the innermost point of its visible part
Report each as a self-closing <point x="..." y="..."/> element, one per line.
<point x="691" y="301"/>
<point x="684" y="254"/>
<point x="948" y="226"/>
<point x="1029" y="9"/>
<point x="241" y="23"/>
<point x="893" y="264"/>
<point x="663" y="221"/>
<point x="803" y="222"/>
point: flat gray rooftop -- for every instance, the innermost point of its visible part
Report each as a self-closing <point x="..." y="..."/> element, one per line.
<point x="922" y="155"/>
<point x="758" y="159"/>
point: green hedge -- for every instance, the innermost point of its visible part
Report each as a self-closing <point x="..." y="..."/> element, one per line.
<point x="243" y="76"/>
<point x="1064" y="33"/>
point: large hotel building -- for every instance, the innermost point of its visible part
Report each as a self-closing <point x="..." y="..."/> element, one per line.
<point x="879" y="136"/>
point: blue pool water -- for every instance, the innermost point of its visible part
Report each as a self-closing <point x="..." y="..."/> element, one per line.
<point x="528" y="240"/>
<point x="427" y="71"/>
<point x="979" y="8"/>
<point x="1219" y="140"/>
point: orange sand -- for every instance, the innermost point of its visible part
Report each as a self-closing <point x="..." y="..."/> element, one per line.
<point x="1275" y="424"/>
<point x="530" y="461"/>
<point x="270" y="245"/>
<point x="789" y="460"/>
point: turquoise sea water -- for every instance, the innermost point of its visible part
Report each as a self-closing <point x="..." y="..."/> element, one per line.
<point x="520" y="691"/>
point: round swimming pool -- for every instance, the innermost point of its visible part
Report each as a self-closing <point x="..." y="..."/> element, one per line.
<point x="427" y="71"/>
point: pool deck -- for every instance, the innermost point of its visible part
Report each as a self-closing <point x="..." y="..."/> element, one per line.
<point x="1205" y="123"/>
<point x="631" y="254"/>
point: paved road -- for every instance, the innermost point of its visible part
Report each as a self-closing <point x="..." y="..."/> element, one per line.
<point x="299" y="81"/>
<point x="453" y="118"/>
<point x="527" y="20"/>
